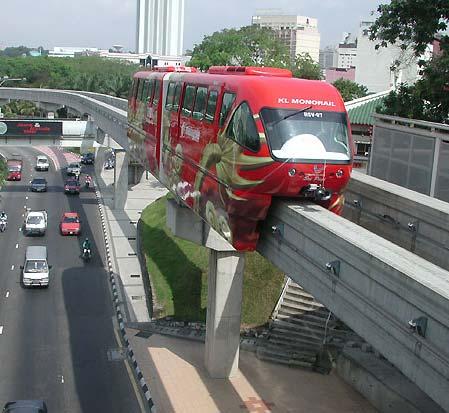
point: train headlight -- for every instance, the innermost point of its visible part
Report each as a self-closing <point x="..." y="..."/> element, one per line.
<point x="339" y="173"/>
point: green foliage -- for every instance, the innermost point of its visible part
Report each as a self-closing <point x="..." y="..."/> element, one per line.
<point x="19" y="108"/>
<point x="415" y="23"/>
<point x="3" y="171"/>
<point x="178" y="270"/>
<point x="93" y="74"/>
<point x="15" y="51"/>
<point x="411" y="22"/>
<point x="247" y="46"/>
<point x="305" y="67"/>
<point x="350" y="90"/>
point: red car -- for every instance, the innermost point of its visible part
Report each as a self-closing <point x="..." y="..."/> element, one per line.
<point x="70" y="224"/>
<point x="14" y="173"/>
<point x="72" y="186"/>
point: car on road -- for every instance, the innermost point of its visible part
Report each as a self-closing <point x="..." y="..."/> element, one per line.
<point x="70" y="224"/>
<point x="35" y="222"/>
<point x="72" y="186"/>
<point x="35" y="269"/>
<point x="88" y="158"/>
<point x="14" y="173"/>
<point x="42" y="163"/>
<point x="38" y="185"/>
<point x="25" y="406"/>
<point x="74" y="168"/>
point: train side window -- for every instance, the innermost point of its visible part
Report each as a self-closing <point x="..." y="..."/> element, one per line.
<point x="200" y="103"/>
<point x="211" y="106"/>
<point x="146" y="87"/>
<point x="242" y="128"/>
<point x="176" y="97"/>
<point x="170" y="96"/>
<point x="133" y="89"/>
<point x="140" y="90"/>
<point x="157" y="92"/>
<point x="228" y="100"/>
<point x="150" y="91"/>
<point x="189" y="98"/>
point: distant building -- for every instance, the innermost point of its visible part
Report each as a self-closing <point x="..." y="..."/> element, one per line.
<point x="328" y="57"/>
<point x="299" y="33"/>
<point x="375" y="67"/>
<point x="160" y="27"/>
<point x="346" y="52"/>
<point x="335" y="73"/>
<point x="143" y="59"/>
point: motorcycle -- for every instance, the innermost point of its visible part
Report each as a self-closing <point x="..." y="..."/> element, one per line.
<point x="3" y="225"/>
<point x="87" y="254"/>
<point x="88" y="182"/>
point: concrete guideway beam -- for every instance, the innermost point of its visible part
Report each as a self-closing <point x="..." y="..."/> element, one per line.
<point x="412" y="220"/>
<point x="374" y="286"/>
<point x="224" y="291"/>
<point x="112" y="120"/>
<point x="120" y="179"/>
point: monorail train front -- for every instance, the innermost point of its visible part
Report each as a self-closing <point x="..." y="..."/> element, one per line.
<point x="294" y="140"/>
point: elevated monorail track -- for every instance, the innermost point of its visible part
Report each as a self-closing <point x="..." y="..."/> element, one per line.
<point x="376" y="287"/>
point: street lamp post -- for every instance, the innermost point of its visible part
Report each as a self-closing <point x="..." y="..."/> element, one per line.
<point x="10" y="79"/>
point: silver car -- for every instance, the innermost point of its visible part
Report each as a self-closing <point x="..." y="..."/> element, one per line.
<point x="74" y="169"/>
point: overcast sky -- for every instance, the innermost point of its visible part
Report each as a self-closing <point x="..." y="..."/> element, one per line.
<point x="103" y="23"/>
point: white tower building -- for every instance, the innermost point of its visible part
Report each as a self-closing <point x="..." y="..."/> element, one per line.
<point x="160" y="27"/>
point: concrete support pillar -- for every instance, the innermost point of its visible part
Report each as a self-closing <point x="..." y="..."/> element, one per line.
<point x="225" y="288"/>
<point x="99" y="160"/>
<point x="224" y="308"/>
<point x="120" y="179"/>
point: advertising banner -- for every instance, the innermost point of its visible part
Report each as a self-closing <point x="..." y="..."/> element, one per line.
<point x="30" y="128"/>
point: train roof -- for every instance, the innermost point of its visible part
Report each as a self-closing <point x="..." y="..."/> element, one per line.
<point x="270" y="87"/>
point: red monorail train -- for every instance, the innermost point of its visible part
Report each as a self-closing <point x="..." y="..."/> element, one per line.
<point x="226" y="141"/>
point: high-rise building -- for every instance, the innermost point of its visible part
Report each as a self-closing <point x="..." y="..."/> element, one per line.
<point x="383" y="68"/>
<point x="160" y="27"/>
<point x="299" y="33"/>
<point x="328" y="57"/>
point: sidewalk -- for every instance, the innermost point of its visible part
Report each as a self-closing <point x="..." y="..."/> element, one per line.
<point x="173" y="368"/>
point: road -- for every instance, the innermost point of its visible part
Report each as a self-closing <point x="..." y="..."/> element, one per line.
<point x="58" y="344"/>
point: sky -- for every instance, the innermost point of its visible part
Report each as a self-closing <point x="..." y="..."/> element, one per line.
<point x="104" y="23"/>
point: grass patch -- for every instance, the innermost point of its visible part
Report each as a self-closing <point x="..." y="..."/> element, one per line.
<point x="178" y="269"/>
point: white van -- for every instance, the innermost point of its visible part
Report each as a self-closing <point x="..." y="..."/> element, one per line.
<point x="35" y="271"/>
<point x="42" y="163"/>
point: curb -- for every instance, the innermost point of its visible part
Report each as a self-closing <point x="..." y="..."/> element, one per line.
<point x="143" y="385"/>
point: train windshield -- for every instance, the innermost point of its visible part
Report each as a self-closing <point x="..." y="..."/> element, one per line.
<point x="307" y="135"/>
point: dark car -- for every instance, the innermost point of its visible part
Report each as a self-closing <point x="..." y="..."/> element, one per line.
<point x="72" y="186"/>
<point x="25" y="406"/>
<point x="39" y="185"/>
<point x="88" y="158"/>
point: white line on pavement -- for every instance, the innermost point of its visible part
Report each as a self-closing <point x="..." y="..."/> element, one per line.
<point x="7" y="294"/>
<point x="1" y="329"/>
<point x="12" y="267"/>
<point x="17" y="245"/>
<point x="62" y="379"/>
<point x="26" y="197"/>
<point x="20" y="229"/>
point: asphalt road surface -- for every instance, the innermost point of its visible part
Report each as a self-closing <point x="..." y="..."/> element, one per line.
<point x="58" y="344"/>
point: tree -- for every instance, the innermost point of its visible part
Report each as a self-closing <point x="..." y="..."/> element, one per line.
<point x="350" y="90"/>
<point x="416" y="23"/>
<point x="20" y="108"/>
<point x="247" y="46"/>
<point x="305" y="67"/>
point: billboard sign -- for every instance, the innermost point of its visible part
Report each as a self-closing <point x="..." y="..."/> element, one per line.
<point x="30" y="128"/>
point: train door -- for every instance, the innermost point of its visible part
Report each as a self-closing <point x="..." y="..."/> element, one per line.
<point x="150" y="124"/>
<point x="170" y="132"/>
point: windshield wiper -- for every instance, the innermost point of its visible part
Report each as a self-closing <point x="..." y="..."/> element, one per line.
<point x="291" y="114"/>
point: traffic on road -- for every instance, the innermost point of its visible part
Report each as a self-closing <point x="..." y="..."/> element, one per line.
<point x="58" y="334"/>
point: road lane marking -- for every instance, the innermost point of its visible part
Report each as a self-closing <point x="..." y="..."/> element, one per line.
<point x="17" y="245"/>
<point x="12" y="267"/>
<point x="20" y="229"/>
<point x="62" y="378"/>
<point x="7" y="294"/>
<point x="26" y="197"/>
<point x="1" y="329"/>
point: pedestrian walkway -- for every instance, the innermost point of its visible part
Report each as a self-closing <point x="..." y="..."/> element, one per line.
<point x="173" y="368"/>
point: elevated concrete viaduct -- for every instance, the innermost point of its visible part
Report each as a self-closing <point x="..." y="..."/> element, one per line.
<point x="396" y="300"/>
